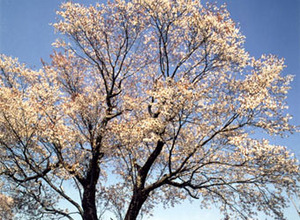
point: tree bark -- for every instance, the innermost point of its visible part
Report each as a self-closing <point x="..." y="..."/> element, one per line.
<point x="89" y="189"/>
<point x="89" y="203"/>
<point x="137" y="201"/>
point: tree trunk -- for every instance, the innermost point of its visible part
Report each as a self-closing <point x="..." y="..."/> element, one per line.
<point x="140" y="195"/>
<point x="89" y="185"/>
<point x="89" y="190"/>
<point x="137" y="201"/>
<point x="89" y="203"/>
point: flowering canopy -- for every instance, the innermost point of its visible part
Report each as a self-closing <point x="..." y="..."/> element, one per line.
<point x="161" y="96"/>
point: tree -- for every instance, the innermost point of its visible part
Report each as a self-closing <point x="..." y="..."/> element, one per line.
<point x="145" y="102"/>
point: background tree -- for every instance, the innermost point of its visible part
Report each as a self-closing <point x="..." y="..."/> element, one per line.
<point x="146" y="102"/>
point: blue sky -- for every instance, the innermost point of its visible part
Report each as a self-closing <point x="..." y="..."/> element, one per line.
<point x="270" y="26"/>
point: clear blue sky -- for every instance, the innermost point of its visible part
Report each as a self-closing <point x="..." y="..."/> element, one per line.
<point x="270" y="26"/>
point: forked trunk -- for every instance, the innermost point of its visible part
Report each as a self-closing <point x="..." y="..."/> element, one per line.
<point x="137" y="201"/>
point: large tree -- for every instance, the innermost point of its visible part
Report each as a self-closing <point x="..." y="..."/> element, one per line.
<point x="145" y="102"/>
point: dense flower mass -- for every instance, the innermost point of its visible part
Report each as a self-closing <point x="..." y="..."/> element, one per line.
<point x="144" y="102"/>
